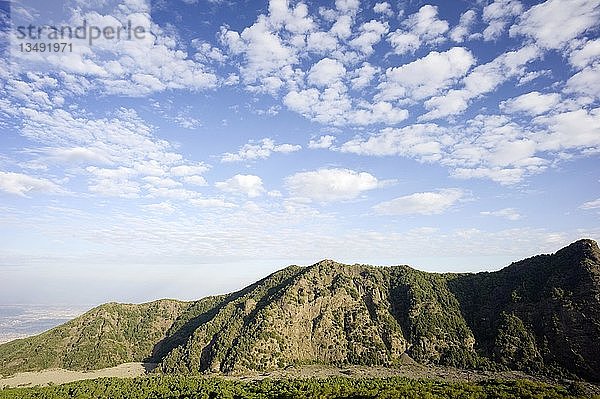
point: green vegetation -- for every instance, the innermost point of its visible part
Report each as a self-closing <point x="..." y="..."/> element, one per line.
<point x="540" y="315"/>
<point x="178" y="387"/>
<point x="105" y="336"/>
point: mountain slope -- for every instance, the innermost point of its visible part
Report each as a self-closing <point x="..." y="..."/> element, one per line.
<point x="105" y="336"/>
<point x="541" y="314"/>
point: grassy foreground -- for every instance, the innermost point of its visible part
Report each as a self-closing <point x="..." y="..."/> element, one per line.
<point x="181" y="387"/>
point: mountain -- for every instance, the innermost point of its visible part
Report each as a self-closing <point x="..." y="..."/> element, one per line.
<point x="540" y="315"/>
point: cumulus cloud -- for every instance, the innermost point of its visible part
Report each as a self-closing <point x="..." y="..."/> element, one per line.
<point x="482" y="79"/>
<point x="586" y="54"/>
<point x="426" y="76"/>
<point x="383" y="8"/>
<point x="195" y="180"/>
<point x="585" y="81"/>
<point x="326" y="72"/>
<point x="462" y="31"/>
<point x="189" y="170"/>
<point x="114" y="182"/>
<point x="533" y="103"/>
<point x="249" y="185"/>
<point x="362" y="77"/>
<point x="498" y="14"/>
<point x="322" y="142"/>
<point x="261" y="150"/>
<point x="489" y="146"/>
<point x="267" y="56"/>
<point x="334" y="106"/>
<point x="554" y="23"/>
<point x="424" y="203"/>
<point x="579" y="129"/>
<point x="118" y="155"/>
<point x="423" y="27"/>
<point x="77" y="155"/>
<point x="370" y="34"/>
<point x="328" y="185"/>
<point x="420" y="141"/>
<point x="21" y="184"/>
<point x="153" y="62"/>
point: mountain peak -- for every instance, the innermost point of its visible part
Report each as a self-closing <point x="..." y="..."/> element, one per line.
<point x="581" y="250"/>
<point x="539" y="315"/>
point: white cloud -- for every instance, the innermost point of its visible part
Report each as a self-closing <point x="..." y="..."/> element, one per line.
<point x="493" y="147"/>
<point x="585" y="81"/>
<point x="462" y="31"/>
<point x="322" y="42"/>
<point x="334" y="106"/>
<point x="113" y="182"/>
<point x="423" y="27"/>
<point x="586" y="54"/>
<point x="326" y="72"/>
<point x="249" y="185"/>
<point x="211" y="203"/>
<point x="77" y="155"/>
<point x="420" y="141"/>
<point x="363" y="76"/>
<point x="383" y="8"/>
<point x="328" y="185"/>
<point x="295" y="20"/>
<point x="380" y="112"/>
<point x="485" y="78"/>
<point x="21" y="184"/>
<point x="347" y="6"/>
<point x="489" y="146"/>
<point x="595" y="204"/>
<point x="569" y="130"/>
<point x="322" y="142"/>
<point x="370" y="34"/>
<point x="153" y="62"/>
<point x="425" y="203"/>
<point x="161" y="182"/>
<point x="506" y="213"/>
<point x="504" y="176"/>
<point x="262" y="150"/>
<point x="426" y="23"/>
<point x="529" y="76"/>
<point x="497" y="15"/>
<point x="195" y="180"/>
<point x="265" y="54"/>
<point x="404" y="42"/>
<point x="554" y="23"/>
<point x="162" y="207"/>
<point x="533" y="103"/>
<point x="123" y="139"/>
<point x="426" y="76"/>
<point x="119" y="154"/>
<point x="481" y="80"/>
<point x="189" y="170"/>
<point x="206" y="52"/>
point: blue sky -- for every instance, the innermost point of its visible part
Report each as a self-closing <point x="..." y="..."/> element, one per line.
<point x="235" y="138"/>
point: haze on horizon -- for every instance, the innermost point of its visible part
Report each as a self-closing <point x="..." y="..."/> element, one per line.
<point x="237" y="139"/>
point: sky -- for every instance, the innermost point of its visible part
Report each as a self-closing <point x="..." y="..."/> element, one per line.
<point x="217" y="141"/>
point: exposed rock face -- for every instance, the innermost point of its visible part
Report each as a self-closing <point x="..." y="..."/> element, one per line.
<point x="541" y="314"/>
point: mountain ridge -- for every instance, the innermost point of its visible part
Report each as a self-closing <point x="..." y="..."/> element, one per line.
<point x="539" y="315"/>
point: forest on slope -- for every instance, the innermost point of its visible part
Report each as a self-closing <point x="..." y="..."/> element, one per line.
<point x="540" y="315"/>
